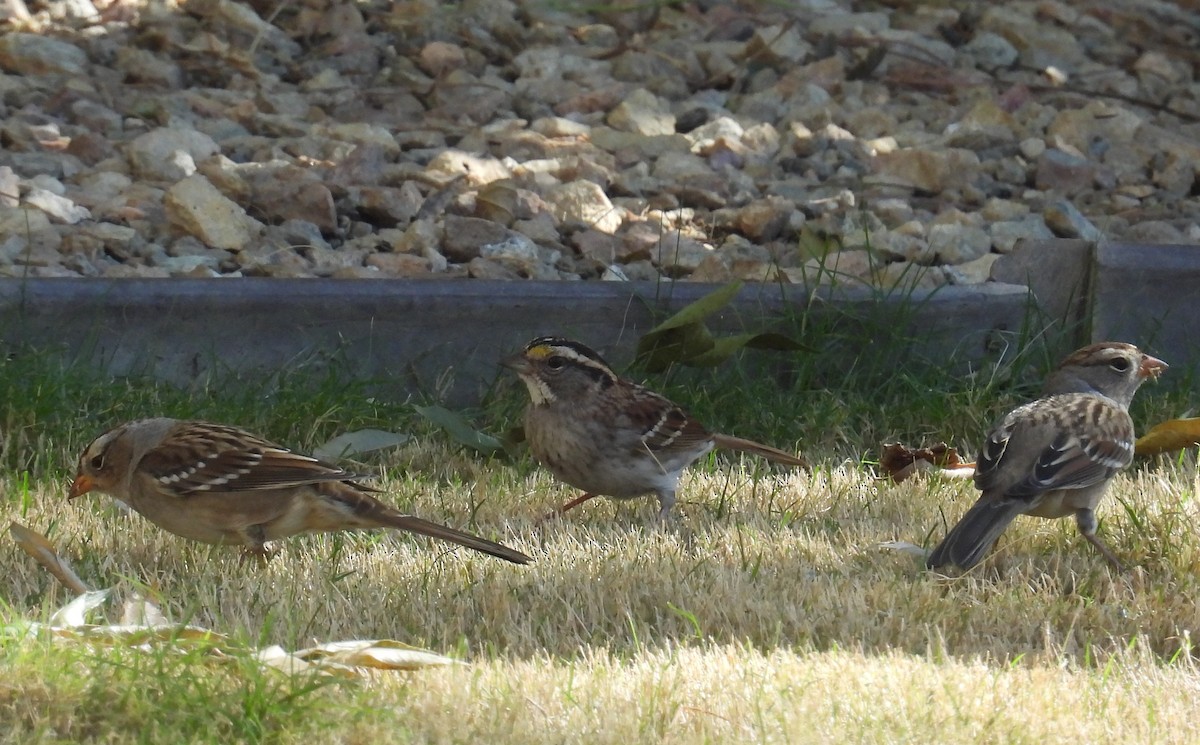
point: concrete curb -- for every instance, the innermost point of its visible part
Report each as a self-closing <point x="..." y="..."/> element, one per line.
<point x="442" y="337"/>
<point x="1147" y="295"/>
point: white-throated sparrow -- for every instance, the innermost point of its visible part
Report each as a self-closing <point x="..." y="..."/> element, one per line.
<point x="609" y="436"/>
<point x="217" y="484"/>
<point x="1055" y="456"/>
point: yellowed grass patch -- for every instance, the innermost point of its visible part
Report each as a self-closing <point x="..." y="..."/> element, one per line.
<point x="768" y="611"/>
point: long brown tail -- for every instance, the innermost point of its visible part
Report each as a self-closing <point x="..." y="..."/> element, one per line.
<point x="393" y="519"/>
<point x="729" y="442"/>
<point x="346" y="505"/>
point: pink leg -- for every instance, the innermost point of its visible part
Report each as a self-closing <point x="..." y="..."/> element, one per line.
<point x="573" y="503"/>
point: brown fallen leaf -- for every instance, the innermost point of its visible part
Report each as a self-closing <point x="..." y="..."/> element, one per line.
<point x="1174" y="434"/>
<point x="899" y="461"/>
<point x="36" y="545"/>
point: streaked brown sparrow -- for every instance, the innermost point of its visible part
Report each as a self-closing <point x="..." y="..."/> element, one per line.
<point x="217" y="484"/>
<point x="609" y="436"/>
<point x="1055" y="456"/>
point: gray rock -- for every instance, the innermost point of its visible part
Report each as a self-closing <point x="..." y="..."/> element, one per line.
<point x="523" y="256"/>
<point x="463" y="237"/>
<point x="990" y="51"/>
<point x="1065" y="221"/>
<point x="972" y="272"/>
<point x="1063" y="172"/>
<point x="1007" y="233"/>
<point x="59" y="208"/>
<point x="34" y="54"/>
<point x="165" y="154"/>
<point x="958" y="244"/>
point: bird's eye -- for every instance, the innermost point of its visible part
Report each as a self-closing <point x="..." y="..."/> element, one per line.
<point x="97" y="462"/>
<point x="556" y="362"/>
<point x="1120" y="364"/>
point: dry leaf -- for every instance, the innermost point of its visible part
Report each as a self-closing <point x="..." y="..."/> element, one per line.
<point x="1174" y="434"/>
<point x="900" y="462"/>
<point x="905" y="547"/>
<point x="36" y="545"/>
<point x="380" y="654"/>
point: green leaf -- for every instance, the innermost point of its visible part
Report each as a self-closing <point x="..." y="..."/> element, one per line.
<point x="460" y="430"/>
<point x="726" y="346"/>
<point x="349" y="444"/>
<point x="683" y="339"/>
<point x="697" y="311"/>
<point x="673" y="346"/>
<point x="777" y="342"/>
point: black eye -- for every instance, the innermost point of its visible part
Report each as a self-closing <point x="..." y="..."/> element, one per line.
<point x="1120" y="364"/>
<point x="97" y="462"/>
<point x="556" y="362"/>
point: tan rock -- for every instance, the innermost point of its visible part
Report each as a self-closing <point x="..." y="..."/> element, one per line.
<point x="195" y="207"/>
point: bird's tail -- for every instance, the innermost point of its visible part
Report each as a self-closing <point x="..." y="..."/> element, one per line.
<point x="347" y="505"/>
<point x="392" y="519"/>
<point x="973" y="536"/>
<point x="729" y="442"/>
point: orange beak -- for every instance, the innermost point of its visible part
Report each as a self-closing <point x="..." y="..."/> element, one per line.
<point x="80" y="486"/>
<point x="1151" y="367"/>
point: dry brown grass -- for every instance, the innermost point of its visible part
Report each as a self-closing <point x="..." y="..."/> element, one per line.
<point x="769" y="611"/>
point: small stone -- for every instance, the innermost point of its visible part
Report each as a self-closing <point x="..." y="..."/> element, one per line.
<point x="302" y="233"/>
<point x="1065" y="221"/>
<point x="451" y="164"/>
<point x="781" y="46"/>
<point x="932" y="171"/>
<point x="60" y="209"/>
<point x="464" y="236"/>
<point x="399" y="265"/>
<point x="677" y="255"/>
<point x="169" y="154"/>
<point x="23" y="221"/>
<point x="765" y="219"/>
<point x="1032" y="147"/>
<point x="438" y="58"/>
<point x="194" y="206"/>
<point x="1007" y="233"/>
<point x="523" y="256"/>
<point x="643" y="113"/>
<point x="1063" y="172"/>
<point x="985" y="126"/>
<point x="902" y="274"/>
<point x="991" y="51"/>
<point x="481" y="268"/>
<point x="584" y="203"/>
<point x="34" y="54"/>
<point x="1155" y="231"/>
<point x="972" y="272"/>
<point x="853" y="267"/>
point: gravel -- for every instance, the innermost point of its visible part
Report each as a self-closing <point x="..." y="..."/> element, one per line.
<point x="821" y="141"/>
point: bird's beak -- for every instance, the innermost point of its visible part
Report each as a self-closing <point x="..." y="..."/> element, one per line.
<point x="517" y="363"/>
<point x="1151" y="367"/>
<point x="80" y="486"/>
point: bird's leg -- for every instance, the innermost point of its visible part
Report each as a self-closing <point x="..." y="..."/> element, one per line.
<point x="258" y="554"/>
<point x="573" y="503"/>
<point x="666" y="500"/>
<point x="1085" y="519"/>
<point x="255" y="542"/>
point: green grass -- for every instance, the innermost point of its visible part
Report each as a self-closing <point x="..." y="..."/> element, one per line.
<point x="769" y="612"/>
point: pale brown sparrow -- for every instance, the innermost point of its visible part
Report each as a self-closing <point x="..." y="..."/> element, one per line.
<point x="609" y="436"/>
<point x="217" y="484"/>
<point x="1055" y="456"/>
